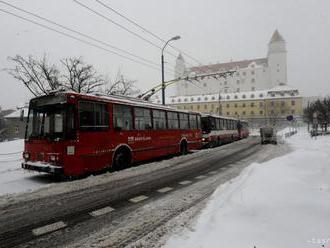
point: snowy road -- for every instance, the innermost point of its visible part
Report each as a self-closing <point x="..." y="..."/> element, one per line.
<point x="126" y="207"/>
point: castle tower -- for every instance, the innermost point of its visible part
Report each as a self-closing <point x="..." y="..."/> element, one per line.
<point x="277" y="61"/>
<point x="180" y="71"/>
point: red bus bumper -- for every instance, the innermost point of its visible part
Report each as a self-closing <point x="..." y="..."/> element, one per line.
<point x="42" y="167"/>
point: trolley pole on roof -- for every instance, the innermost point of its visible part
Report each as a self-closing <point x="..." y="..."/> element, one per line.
<point x="162" y="62"/>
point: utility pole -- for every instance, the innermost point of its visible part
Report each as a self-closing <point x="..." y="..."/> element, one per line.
<point x="162" y="63"/>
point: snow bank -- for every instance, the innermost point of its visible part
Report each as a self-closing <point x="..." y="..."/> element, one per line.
<point x="13" y="178"/>
<point x="284" y="202"/>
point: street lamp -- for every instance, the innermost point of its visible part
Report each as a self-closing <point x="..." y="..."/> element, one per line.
<point x="163" y="80"/>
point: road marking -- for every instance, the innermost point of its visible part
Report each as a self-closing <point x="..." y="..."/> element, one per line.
<point x="213" y="172"/>
<point x="164" y="190"/>
<point x="201" y="177"/>
<point x="185" y="182"/>
<point x="101" y="211"/>
<point x="138" y="198"/>
<point x="48" y="228"/>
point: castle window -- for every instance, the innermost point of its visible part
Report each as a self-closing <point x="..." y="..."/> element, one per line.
<point x="226" y="90"/>
<point x="293" y="103"/>
<point x="261" y="112"/>
<point x="252" y="95"/>
<point x="261" y="104"/>
<point x="252" y="104"/>
<point x="173" y="100"/>
<point x="252" y="72"/>
<point x="192" y="99"/>
<point x="253" y="88"/>
<point x="236" y="95"/>
<point x="236" y="113"/>
<point x="235" y="105"/>
<point x="205" y="106"/>
<point x="206" y="99"/>
<point x="228" y="97"/>
<point x="213" y="98"/>
<point x="252" y="112"/>
<point x="243" y="112"/>
<point x="282" y="103"/>
<point x="237" y="74"/>
<point x="244" y="96"/>
<point x="253" y="80"/>
<point x="244" y="73"/>
<point x="243" y="105"/>
<point x="198" y="99"/>
<point x="237" y="81"/>
<point x="228" y="113"/>
<point x="228" y="105"/>
<point x="185" y="99"/>
<point x="179" y="100"/>
<point x="204" y="84"/>
<point x="292" y="111"/>
<point x="261" y="95"/>
<point x="225" y="83"/>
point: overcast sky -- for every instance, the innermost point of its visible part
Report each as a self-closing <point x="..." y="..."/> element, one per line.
<point x="212" y="31"/>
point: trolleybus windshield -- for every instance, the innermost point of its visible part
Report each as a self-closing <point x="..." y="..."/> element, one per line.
<point x="52" y="122"/>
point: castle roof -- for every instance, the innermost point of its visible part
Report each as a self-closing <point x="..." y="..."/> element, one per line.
<point x="228" y="66"/>
<point x="276" y="37"/>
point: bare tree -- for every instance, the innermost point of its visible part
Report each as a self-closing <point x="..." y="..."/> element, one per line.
<point x="41" y="77"/>
<point x="81" y="77"/>
<point x="120" y="86"/>
<point x="38" y="75"/>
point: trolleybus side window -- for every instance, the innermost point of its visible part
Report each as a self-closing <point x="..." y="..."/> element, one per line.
<point x="199" y="125"/>
<point x="122" y="117"/>
<point x="173" y="121"/>
<point x="193" y="121"/>
<point x="213" y="126"/>
<point x="218" y="123"/>
<point x="142" y="119"/>
<point x="159" y="119"/>
<point x="184" y="121"/>
<point x="93" y="116"/>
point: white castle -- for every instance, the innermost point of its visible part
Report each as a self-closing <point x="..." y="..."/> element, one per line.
<point x="251" y="75"/>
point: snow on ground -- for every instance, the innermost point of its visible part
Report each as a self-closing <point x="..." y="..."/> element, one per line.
<point x="12" y="178"/>
<point x="284" y="202"/>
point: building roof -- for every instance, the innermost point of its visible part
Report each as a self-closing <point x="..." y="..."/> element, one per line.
<point x="229" y="65"/>
<point x="239" y="96"/>
<point x="276" y="37"/>
<point x="17" y="113"/>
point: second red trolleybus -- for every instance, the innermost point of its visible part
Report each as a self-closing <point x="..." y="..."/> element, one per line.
<point x="73" y="134"/>
<point x="218" y="130"/>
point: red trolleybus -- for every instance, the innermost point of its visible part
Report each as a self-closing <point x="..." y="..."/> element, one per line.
<point x="73" y="134"/>
<point x="218" y="130"/>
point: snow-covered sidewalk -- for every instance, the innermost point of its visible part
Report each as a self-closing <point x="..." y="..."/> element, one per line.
<point x="284" y="202"/>
<point x="13" y="179"/>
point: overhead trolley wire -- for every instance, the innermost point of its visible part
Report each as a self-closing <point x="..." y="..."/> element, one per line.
<point x="77" y="39"/>
<point x="144" y="29"/>
<point x="80" y="33"/>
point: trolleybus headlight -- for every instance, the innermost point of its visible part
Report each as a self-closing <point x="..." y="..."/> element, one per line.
<point x="53" y="158"/>
<point x="26" y="155"/>
<point x="203" y="139"/>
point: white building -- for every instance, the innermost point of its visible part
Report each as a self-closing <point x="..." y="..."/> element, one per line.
<point x="251" y="75"/>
